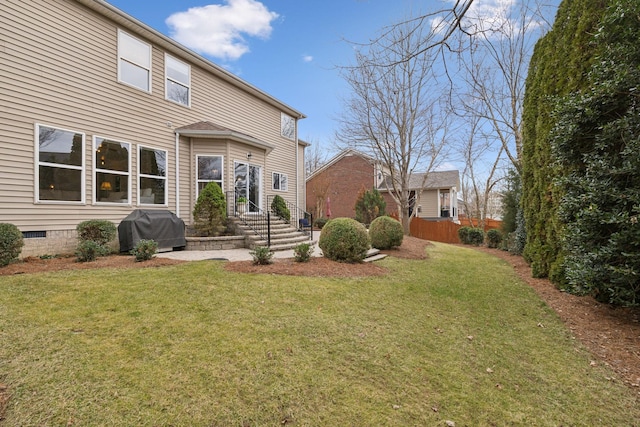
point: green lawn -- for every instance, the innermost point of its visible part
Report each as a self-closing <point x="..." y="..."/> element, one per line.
<point x="456" y="337"/>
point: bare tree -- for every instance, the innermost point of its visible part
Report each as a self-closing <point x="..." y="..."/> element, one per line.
<point x="394" y="111"/>
<point x="493" y="53"/>
<point x="481" y="173"/>
<point x="314" y="157"/>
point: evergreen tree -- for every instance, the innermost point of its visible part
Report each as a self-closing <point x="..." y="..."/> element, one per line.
<point x="596" y="142"/>
<point x="558" y="67"/>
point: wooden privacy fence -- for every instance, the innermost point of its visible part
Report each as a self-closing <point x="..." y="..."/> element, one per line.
<point x="444" y="231"/>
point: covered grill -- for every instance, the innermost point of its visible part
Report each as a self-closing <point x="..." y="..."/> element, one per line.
<point x="162" y="226"/>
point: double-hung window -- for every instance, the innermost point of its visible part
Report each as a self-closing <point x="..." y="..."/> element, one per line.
<point x="152" y="176"/>
<point x="209" y="169"/>
<point x="279" y="181"/>
<point x="134" y="61"/>
<point x="60" y="165"/>
<point x="178" y="81"/>
<point x="112" y="161"/>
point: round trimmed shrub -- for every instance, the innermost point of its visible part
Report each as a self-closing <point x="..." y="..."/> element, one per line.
<point x="321" y="222"/>
<point x="494" y="238"/>
<point x="11" y="243"/>
<point x="96" y="230"/>
<point x="344" y="240"/>
<point x="385" y="233"/>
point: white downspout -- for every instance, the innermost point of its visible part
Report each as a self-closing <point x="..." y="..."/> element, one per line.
<point x="297" y="148"/>
<point x="178" y="174"/>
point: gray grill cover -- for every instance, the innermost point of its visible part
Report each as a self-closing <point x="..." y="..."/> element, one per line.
<point x="162" y="226"/>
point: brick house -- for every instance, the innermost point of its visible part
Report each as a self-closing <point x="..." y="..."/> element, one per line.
<point x="334" y="188"/>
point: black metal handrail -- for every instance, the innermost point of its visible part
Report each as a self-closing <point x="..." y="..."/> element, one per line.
<point x="250" y="215"/>
<point x="302" y="219"/>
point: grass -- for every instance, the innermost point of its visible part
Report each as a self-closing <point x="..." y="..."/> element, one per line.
<point x="457" y="337"/>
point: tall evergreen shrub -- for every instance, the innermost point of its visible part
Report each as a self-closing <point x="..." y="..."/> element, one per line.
<point x="210" y="211"/>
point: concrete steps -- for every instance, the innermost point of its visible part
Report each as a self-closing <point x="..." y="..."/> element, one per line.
<point x="284" y="236"/>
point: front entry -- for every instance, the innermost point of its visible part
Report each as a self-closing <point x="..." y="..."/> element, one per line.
<point x="247" y="183"/>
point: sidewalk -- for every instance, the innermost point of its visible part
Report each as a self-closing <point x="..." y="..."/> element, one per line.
<point x="228" y="255"/>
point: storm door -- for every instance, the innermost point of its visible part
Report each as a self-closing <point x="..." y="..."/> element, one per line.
<point x="247" y="183"/>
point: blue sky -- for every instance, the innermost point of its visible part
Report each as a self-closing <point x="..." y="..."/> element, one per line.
<point x="287" y="48"/>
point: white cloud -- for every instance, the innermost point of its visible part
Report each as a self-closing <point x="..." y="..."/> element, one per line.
<point x="218" y="30"/>
<point x="487" y="15"/>
<point x="307" y="58"/>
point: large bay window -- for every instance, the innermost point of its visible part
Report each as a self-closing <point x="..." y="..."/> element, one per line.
<point x="178" y="81"/>
<point x="152" y="176"/>
<point x="134" y="61"/>
<point x="112" y="160"/>
<point x="209" y="169"/>
<point x="60" y="165"/>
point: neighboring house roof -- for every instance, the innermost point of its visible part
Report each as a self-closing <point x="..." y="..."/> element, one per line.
<point x="435" y="179"/>
<point x="126" y="21"/>
<point x="211" y="130"/>
<point x="342" y="154"/>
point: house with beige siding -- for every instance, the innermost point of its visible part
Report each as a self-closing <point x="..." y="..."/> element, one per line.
<point x="101" y="115"/>
<point x="332" y="190"/>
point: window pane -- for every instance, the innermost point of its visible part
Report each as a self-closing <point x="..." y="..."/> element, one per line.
<point x="283" y="182"/>
<point x="202" y="184"/>
<point x="177" y="93"/>
<point x="178" y="71"/>
<point x="134" y="75"/>
<point x="112" y="188"/>
<point x="153" y="162"/>
<point x="112" y="155"/>
<point x="134" y="50"/>
<point x="59" y="146"/>
<point x="152" y="191"/>
<point x="210" y="168"/>
<point x="288" y="126"/>
<point x="60" y="184"/>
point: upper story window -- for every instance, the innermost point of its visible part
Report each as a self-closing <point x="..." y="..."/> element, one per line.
<point x="279" y="181"/>
<point x="288" y="126"/>
<point x="152" y="176"/>
<point x="60" y="160"/>
<point x="134" y="61"/>
<point x="178" y="81"/>
<point x="112" y="170"/>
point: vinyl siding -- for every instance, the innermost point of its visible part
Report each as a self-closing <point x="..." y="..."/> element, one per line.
<point x="58" y="67"/>
<point x="429" y="202"/>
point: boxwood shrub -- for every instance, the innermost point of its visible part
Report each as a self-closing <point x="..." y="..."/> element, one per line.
<point x="385" y="233"/>
<point x="344" y="240"/>
<point x="11" y="243"/>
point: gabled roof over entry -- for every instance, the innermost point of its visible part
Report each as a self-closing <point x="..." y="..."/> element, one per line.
<point x="206" y="129"/>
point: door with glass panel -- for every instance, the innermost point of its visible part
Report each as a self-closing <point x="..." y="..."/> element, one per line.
<point x="247" y="183"/>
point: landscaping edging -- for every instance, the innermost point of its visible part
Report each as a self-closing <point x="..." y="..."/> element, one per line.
<point x="214" y="243"/>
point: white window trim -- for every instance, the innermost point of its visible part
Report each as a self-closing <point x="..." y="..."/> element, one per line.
<point x="37" y="163"/>
<point x="273" y="182"/>
<point x="167" y="79"/>
<point x="198" y="180"/>
<point x="97" y="170"/>
<point x="165" y="178"/>
<point x="121" y="58"/>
